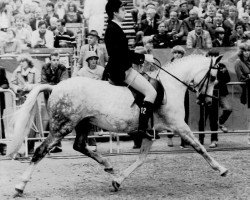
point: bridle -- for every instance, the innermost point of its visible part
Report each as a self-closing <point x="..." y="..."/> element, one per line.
<point x="199" y="86"/>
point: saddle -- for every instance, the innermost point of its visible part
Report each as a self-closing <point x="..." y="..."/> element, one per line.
<point x="139" y="97"/>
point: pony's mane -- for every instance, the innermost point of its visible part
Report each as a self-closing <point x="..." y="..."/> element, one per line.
<point x="184" y="60"/>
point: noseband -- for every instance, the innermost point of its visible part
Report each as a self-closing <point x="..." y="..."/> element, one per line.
<point x="194" y="88"/>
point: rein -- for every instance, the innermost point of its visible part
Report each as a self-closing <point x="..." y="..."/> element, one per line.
<point x="191" y="88"/>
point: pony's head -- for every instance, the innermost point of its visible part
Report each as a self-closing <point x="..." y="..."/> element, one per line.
<point x="205" y="81"/>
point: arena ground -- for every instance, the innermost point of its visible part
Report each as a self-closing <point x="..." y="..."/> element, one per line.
<point x="169" y="173"/>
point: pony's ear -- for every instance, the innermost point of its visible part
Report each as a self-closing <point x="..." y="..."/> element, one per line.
<point x="218" y="59"/>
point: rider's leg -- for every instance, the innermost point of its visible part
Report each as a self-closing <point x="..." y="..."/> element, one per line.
<point x="138" y="82"/>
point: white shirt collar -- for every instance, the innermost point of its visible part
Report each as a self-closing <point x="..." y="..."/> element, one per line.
<point x="118" y="23"/>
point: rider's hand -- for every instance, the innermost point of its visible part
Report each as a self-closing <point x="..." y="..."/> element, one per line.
<point x="149" y="58"/>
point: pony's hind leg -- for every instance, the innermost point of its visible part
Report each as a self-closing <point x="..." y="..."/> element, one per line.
<point x="186" y="134"/>
<point x="82" y="130"/>
<point x="56" y="135"/>
<point x="145" y="147"/>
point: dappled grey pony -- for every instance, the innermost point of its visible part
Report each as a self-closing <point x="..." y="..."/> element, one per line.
<point x="112" y="108"/>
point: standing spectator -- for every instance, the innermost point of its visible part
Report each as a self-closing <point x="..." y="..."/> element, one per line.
<point x="242" y="69"/>
<point x="178" y="52"/>
<point x="94" y="71"/>
<point x="199" y="38"/>
<point x="63" y="38"/>
<point x="60" y="9"/>
<point x="53" y="73"/>
<point x="238" y="34"/>
<point x="213" y="111"/>
<point x="42" y="38"/>
<point x="161" y="39"/>
<point x="94" y="12"/>
<point x="72" y="16"/>
<point x="174" y="29"/>
<point x="10" y="44"/>
<point x="24" y="79"/>
<point x="92" y="45"/>
<point x="220" y="40"/>
<point x="50" y="13"/>
<point x="5" y="16"/>
<point x="4" y="84"/>
<point x="22" y="34"/>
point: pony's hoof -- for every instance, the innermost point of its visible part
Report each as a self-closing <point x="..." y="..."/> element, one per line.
<point x="115" y="186"/>
<point x="18" y="193"/>
<point x="224" y="173"/>
<point x="109" y="170"/>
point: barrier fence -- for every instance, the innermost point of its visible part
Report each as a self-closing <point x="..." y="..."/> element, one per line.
<point x="239" y="118"/>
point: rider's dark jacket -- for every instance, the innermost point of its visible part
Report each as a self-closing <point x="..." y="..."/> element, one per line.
<point x="120" y="56"/>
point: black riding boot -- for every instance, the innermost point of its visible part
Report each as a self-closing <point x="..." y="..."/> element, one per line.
<point x="146" y="111"/>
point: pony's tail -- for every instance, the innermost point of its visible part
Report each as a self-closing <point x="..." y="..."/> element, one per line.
<point x="23" y="118"/>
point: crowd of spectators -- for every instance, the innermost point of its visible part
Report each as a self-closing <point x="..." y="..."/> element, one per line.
<point x="196" y="24"/>
<point x="30" y="24"/>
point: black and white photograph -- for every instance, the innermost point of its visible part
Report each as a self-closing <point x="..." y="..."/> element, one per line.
<point x="125" y="99"/>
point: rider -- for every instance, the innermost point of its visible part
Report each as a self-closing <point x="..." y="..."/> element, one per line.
<point x="119" y="68"/>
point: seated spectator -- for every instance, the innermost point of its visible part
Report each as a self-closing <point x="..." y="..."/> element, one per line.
<point x="238" y="34"/>
<point x="211" y="13"/>
<point x="50" y="8"/>
<point x="64" y="38"/>
<point x="92" y="45"/>
<point x="174" y="29"/>
<point x="24" y="79"/>
<point x="202" y="8"/>
<point x="10" y="44"/>
<point x="60" y="9"/>
<point x="151" y="5"/>
<point x="53" y="24"/>
<point x="37" y="19"/>
<point x="189" y="23"/>
<point x="183" y="10"/>
<point x="246" y="20"/>
<point x="161" y="39"/>
<point x="147" y="26"/>
<point x="22" y="34"/>
<point x="27" y="12"/>
<point x="42" y="38"/>
<point x="199" y="38"/>
<point x="191" y="6"/>
<point x="220" y="40"/>
<point x="231" y="20"/>
<point x="72" y="16"/>
<point x="4" y="84"/>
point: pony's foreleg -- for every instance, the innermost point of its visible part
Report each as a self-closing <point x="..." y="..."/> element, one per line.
<point x="39" y="154"/>
<point x="82" y="130"/>
<point x="186" y="134"/>
<point x="145" y="147"/>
